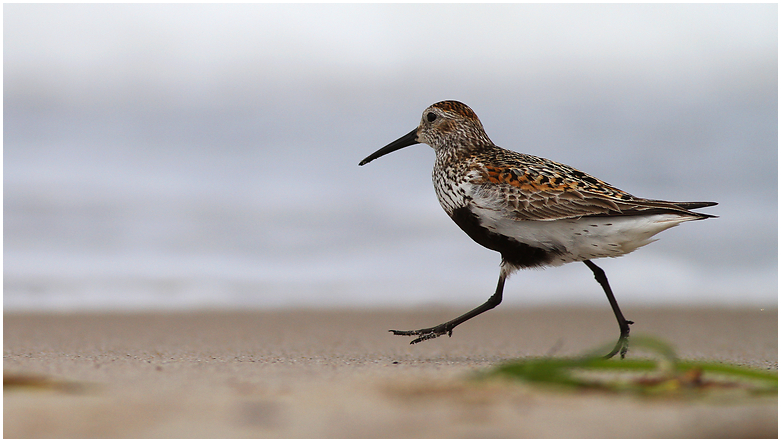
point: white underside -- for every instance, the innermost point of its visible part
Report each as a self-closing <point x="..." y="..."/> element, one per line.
<point x="579" y="239"/>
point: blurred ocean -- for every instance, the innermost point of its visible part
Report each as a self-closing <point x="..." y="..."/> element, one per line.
<point x="187" y="156"/>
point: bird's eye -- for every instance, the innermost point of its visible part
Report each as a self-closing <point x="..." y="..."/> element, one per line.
<point x="431" y="117"/>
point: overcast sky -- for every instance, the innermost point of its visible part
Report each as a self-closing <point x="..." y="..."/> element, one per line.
<point x="263" y="111"/>
<point x="101" y="54"/>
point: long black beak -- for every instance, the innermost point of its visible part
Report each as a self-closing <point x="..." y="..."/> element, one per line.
<point x="407" y="140"/>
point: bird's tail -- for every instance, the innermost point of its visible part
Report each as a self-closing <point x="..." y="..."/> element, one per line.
<point x="695" y="205"/>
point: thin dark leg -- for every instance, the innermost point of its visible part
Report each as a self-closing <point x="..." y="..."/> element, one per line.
<point x="623" y="340"/>
<point x="447" y="327"/>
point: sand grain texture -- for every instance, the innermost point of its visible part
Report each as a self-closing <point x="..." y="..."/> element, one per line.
<point x="312" y="374"/>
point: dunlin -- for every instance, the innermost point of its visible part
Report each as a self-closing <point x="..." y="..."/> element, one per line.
<point x="533" y="211"/>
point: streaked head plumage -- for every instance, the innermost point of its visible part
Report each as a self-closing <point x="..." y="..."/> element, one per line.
<point x="446" y="126"/>
<point x="451" y="124"/>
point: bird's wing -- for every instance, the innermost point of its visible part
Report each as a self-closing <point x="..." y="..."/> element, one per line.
<point x="555" y="192"/>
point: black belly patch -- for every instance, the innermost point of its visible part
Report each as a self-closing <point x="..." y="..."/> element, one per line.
<point x="513" y="252"/>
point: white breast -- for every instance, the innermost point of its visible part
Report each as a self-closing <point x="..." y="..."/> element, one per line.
<point x="452" y="190"/>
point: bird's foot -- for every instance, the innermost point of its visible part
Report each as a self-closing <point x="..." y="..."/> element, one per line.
<point x="425" y="334"/>
<point x="622" y="346"/>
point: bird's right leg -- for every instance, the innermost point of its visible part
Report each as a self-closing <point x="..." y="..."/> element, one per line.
<point x="623" y="340"/>
<point x="447" y="327"/>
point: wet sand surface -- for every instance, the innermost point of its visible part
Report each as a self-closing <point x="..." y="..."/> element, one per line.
<point x="340" y="374"/>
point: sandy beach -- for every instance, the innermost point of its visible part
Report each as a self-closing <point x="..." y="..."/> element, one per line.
<point x="340" y="374"/>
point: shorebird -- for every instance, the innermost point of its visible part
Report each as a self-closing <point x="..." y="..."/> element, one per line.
<point x="533" y="211"/>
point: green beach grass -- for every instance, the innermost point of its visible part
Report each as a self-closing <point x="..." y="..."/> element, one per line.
<point x="664" y="375"/>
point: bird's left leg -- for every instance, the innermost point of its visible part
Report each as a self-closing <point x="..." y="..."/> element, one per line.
<point x="622" y="345"/>
<point x="447" y="327"/>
